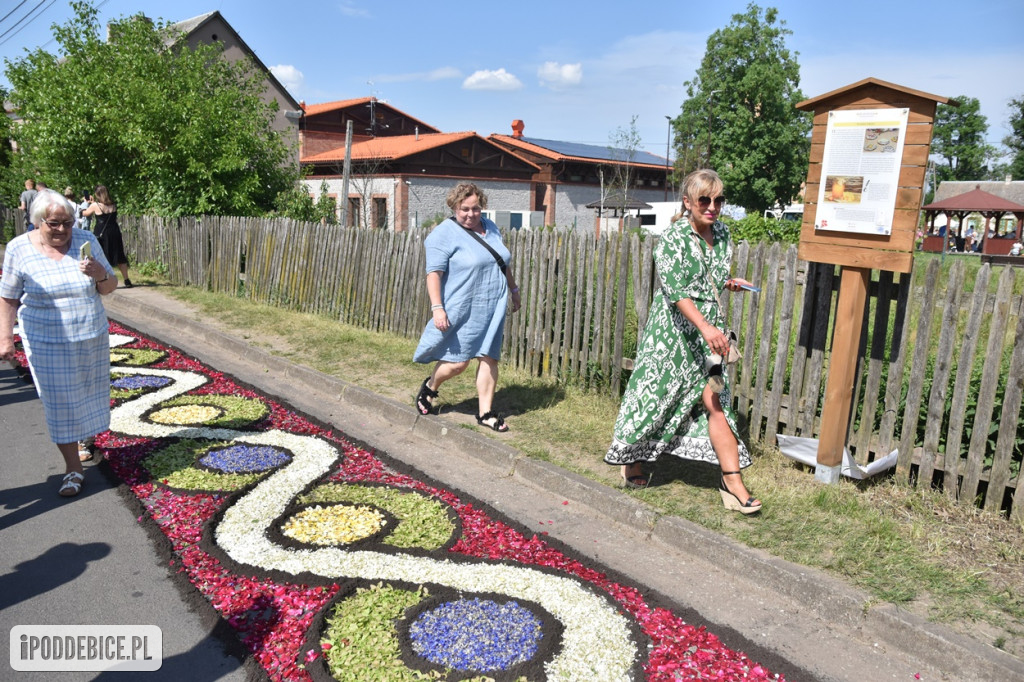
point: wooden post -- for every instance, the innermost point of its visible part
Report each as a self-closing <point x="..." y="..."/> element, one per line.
<point x="835" y="414"/>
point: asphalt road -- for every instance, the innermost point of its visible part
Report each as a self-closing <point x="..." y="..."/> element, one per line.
<point x="88" y="560"/>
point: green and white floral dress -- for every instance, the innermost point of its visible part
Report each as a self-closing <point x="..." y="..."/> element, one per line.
<point x="662" y="411"/>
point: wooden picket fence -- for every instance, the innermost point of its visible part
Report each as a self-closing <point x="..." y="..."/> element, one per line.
<point x="940" y="378"/>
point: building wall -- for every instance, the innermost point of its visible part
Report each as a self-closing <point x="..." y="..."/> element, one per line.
<point x="426" y="197"/>
<point x="217" y="30"/>
<point x="571" y="204"/>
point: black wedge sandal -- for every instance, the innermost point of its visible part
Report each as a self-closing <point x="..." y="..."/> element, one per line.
<point x="499" y="424"/>
<point x="733" y="503"/>
<point x="424" y="401"/>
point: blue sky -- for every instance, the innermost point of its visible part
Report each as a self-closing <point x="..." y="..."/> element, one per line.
<point x="578" y="71"/>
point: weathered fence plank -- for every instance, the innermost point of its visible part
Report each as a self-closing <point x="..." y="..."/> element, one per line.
<point x="940" y="375"/>
<point x="987" y="390"/>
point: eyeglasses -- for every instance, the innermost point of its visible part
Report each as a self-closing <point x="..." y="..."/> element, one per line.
<point x="704" y="202"/>
<point x="58" y="223"/>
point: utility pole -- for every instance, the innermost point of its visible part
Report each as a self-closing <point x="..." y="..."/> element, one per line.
<point x="668" y="148"/>
<point x="345" y="173"/>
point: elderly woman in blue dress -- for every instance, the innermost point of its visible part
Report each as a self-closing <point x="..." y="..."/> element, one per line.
<point x="469" y="286"/>
<point x="52" y="281"/>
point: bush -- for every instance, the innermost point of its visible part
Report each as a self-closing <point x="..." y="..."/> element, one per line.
<point x="152" y="268"/>
<point x="755" y="228"/>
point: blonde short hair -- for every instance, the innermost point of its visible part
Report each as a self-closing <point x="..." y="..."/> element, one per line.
<point x="463" y="191"/>
<point x="702" y="182"/>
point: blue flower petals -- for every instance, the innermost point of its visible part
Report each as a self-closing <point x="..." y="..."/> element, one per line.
<point x="137" y="381"/>
<point x="476" y="634"/>
<point x="245" y="458"/>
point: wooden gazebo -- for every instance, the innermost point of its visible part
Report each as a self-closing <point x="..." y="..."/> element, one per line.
<point x="615" y="201"/>
<point x="960" y="206"/>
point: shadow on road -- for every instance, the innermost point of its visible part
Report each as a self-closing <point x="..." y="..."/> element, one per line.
<point x="54" y="567"/>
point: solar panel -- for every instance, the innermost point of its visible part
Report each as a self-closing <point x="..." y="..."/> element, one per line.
<point x="593" y="151"/>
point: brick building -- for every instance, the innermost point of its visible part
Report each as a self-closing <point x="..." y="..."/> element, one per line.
<point x="402" y="169"/>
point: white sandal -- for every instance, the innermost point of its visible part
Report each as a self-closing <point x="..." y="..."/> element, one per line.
<point x="72" y="484"/>
<point x="85" y="453"/>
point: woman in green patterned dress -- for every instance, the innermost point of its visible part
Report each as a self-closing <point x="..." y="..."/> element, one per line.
<point x="669" y="406"/>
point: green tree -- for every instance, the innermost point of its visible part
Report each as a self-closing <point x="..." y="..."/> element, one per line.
<point x="958" y="139"/>
<point x="1015" y="140"/>
<point x="171" y="130"/>
<point x="326" y="207"/>
<point x="740" y="116"/>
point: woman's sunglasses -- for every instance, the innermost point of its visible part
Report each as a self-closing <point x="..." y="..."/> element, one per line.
<point x="704" y="202"/>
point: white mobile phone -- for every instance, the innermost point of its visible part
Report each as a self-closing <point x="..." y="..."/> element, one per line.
<point x="85" y="251"/>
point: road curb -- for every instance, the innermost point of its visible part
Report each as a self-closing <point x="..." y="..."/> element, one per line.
<point x="830" y="598"/>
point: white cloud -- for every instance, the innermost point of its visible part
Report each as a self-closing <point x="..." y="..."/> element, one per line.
<point x="349" y="9"/>
<point x="443" y="73"/>
<point x="556" y="76"/>
<point x="492" y="80"/>
<point x="290" y="77"/>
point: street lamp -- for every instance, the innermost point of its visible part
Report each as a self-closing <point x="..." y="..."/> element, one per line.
<point x="668" y="148"/>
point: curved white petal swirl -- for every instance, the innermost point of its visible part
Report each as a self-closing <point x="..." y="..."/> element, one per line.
<point x="596" y="641"/>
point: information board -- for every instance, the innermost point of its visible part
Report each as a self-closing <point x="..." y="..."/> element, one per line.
<point x="861" y="170"/>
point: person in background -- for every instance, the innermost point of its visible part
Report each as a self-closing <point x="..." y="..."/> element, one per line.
<point x="26" y="201"/>
<point x="469" y="292"/>
<point x="675" y="402"/>
<point x="108" y="231"/>
<point x="84" y="220"/>
<point x="69" y="194"/>
<point x="52" y="288"/>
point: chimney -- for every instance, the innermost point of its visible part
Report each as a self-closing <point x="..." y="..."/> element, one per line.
<point x="417" y="130"/>
<point x="517" y="129"/>
<point x="1009" y="178"/>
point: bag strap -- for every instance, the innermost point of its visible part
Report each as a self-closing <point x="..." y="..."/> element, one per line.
<point x="498" y="259"/>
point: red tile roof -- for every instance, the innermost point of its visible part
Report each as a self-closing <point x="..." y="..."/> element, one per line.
<point x="975" y="200"/>
<point x="397" y="147"/>
<point x="313" y="109"/>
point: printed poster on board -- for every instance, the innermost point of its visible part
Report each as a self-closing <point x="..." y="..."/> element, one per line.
<point x="860" y="170"/>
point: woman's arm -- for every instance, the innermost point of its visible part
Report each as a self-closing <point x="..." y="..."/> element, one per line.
<point x="716" y="339"/>
<point x="105" y="282"/>
<point x="513" y="288"/>
<point x="436" y="303"/>
<point x="8" y="314"/>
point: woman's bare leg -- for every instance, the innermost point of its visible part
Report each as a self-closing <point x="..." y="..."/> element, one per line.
<point x="724" y="443"/>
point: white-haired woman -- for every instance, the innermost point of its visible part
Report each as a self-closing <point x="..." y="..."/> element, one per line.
<point x="52" y="281"/>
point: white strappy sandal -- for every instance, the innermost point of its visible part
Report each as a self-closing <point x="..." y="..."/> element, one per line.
<point x="71" y="485"/>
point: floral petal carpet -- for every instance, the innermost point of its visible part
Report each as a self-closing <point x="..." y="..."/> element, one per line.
<point x="331" y="562"/>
